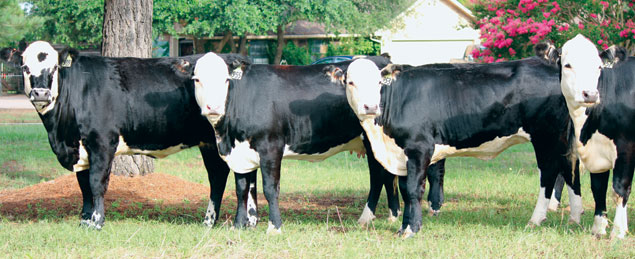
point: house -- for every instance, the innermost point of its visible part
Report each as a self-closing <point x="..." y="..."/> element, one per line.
<point x="430" y="31"/>
<point x="301" y="33"/>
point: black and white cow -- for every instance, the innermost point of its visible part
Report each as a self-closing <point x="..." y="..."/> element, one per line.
<point x="432" y="112"/>
<point x="94" y="108"/>
<point x="600" y="93"/>
<point x="268" y="113"/>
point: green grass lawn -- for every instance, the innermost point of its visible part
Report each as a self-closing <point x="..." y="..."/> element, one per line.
<point x="488" y="204"/>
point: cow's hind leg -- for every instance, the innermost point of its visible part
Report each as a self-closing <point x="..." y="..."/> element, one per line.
<point x="87" y="197"/>
<point x="217" y="172"/>
<point x="622" y="180"/>
<point x="392" y="195"/>
<point x="242" y="192"/>
<point x="435" y="174"/>
<point x="252" y="199"/>
<point x="556" y="196"/>
<point x="99" y="176"/>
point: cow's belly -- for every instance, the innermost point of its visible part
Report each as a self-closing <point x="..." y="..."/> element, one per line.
<point x="485" y="151"/>
<point x="393" y="158"/>
<point x="599" y="153"/>
<point x="124" y="149"/>
<point x="243" y="159"/>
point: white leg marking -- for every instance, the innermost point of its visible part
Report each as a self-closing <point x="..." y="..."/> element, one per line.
<point x="367" y="216"/>
<point x="94" y="219"/>
<point x="575" y="203"/>
<point x="393" y="218"/>
<point x="599" y="226"/>
<point x="407" y="232"/>
<point x="251" y="206"/>
<point x="540" y="212"/>
<point x="620" y="224"/>
<point x="210" y="214"/>
<point x="553" y="202"/>
<point x="272" y="230"/>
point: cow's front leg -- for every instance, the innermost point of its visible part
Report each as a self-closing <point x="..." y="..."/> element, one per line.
<point x="376" y="182"/>
<point x="99" y="176"/>
<point x="217" y="173"/>
<point x="411" y="188"/>
<point x="270" y="162"/>
<point x="246" y="211"/>
<point x="556" y="196"/>
<point x="87" y="197"/>
<point x="599" y="186"/>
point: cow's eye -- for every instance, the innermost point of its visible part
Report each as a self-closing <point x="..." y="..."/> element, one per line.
<point x="196" y="80"/>
<point x="25" y="69"/>
<point x="351" y="83"/>
<point x="567" y="65"/>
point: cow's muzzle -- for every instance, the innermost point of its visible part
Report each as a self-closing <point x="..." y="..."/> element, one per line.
<point x="40" y="95"/>
<point x="590" y="96"/>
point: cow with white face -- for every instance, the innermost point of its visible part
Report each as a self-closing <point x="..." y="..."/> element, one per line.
<point x="40" y="68"/>
<point x="363" y="87"/>
<point x="265" y="113"/>
<point x="95" y="108"/>
<point x="431" y="112"/>
<point x="603" y="129"/>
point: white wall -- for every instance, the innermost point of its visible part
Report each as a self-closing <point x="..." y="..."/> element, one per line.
<point x="432" y="32"/>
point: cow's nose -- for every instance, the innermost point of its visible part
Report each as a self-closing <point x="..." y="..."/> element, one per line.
<point x="590" y="96"/>
<point x="370" y="109"/>
<point x="40" y="95"/>
<point x="212" y="110"/>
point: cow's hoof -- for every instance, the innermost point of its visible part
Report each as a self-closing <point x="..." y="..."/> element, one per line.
<point x="618" y="233"/>
<point x="405" y="233"/>
<point x="434" y="213"/>
<point x="393" y="218"/>
<point x="209" y="222"/>
<point x="533" y="224"/>
<point x="366" y="217"/>
<point x="599" y="226"/>
<point x="272" y="230"/>
<point x="89" y="224"/>
<point x="553" y="205"/>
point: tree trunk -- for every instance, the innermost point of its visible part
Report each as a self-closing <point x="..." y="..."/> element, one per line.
<point x="242" y="50"/>
<point x="228" y="35"/>
<point x="232" y="44"/>
<point x="280" y="47"/>
<point x="127" y="32"/>
<point x="199" y="46"/>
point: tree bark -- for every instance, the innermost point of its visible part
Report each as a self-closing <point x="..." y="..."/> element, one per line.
<point x="242" y="50"/>
<point x="228" y="35"/>
<point x="232" y="44"/>
<point x="127" y="32"/>
<point x="280" y="46"/>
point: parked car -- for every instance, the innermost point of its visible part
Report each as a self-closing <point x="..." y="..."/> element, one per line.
<point x="332" y="59"/>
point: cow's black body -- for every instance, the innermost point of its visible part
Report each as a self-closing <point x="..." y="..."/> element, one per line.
<point x="296" y="106"/>
<point x="465" y="105"/>
<point x="149" y="103"/>
<point x="614" y="117"/>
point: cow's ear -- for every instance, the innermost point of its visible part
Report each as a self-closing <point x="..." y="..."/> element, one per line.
<point x="386" y="55"/>
<point x="334" y="73"/>
<point x="183" y="66"/>
<point x="391" y="71"/>
<point x="613" y="55"/>
<point x="67" y="57"/>
<point x="237" y="67"/>
<point x="548" y="52"/>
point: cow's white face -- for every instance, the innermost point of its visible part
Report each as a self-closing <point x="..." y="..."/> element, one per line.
<point x="40" y="69"/>
<point x="211" y="84"/>
<point x="363" y="88"/>
<point x="581" y="66"/>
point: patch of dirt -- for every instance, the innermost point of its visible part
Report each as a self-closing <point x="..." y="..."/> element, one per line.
<point x="11" y="166"/>
<point x="162" y="197"/>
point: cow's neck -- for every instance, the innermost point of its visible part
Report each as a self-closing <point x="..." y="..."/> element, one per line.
<point x="386" y="151"/>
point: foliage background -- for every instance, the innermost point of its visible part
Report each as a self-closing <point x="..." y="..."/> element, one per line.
<point x="510" y="28"/>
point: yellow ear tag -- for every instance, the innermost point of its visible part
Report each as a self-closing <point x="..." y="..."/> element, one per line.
<point x="68" y="61"/>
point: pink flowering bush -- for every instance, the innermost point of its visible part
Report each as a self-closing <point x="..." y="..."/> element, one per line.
<point x="510" y="28"/>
